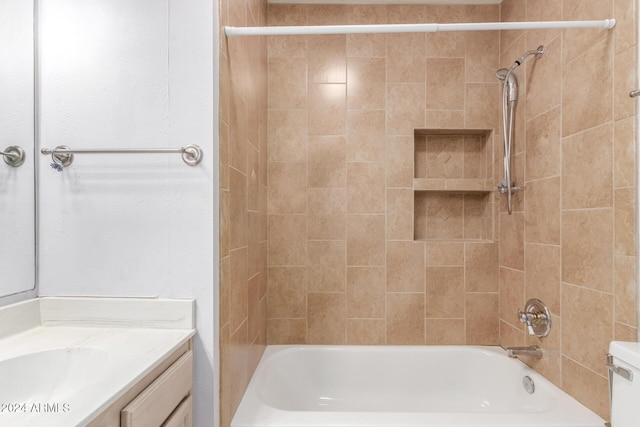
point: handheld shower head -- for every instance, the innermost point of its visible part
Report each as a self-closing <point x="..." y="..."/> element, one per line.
<point x="511" y="83"/>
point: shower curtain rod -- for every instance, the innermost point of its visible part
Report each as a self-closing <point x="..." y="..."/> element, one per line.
<point x="413" y="28"/>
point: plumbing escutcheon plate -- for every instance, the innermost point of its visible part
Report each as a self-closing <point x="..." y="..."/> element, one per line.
<point x="541" y="326"/>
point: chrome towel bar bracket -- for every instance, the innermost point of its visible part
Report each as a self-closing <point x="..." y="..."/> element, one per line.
<point x="13" y="156"/>
<point x="62" y="155"/>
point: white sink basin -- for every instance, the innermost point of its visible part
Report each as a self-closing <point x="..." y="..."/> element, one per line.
<point x="51" y="374"/>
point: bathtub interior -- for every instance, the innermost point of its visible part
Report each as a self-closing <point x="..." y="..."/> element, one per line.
<point x="442" y="379"/>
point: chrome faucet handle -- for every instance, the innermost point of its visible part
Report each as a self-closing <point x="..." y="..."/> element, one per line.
<point x="527" y="319"/>
<point x="537" y="317"/>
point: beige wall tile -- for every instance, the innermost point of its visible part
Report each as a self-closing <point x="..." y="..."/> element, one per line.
<point x="405" y="266"/>
<point x="225" y="223"/>
<point x="286" y="191"/>
<point x="445" y="83"/>
<point x="328" y="62"/>
<point x="287" y="241"/>
<point x="445" y="216"/>
<point x="624" y="332"/>
<point x="365" y="136"/>
<point x="367" y="79"/>
<point x="319" y="14"/>
<point x="542" y="213"/>
<point x="477" y="216"/>
<point x="445" y="332"/>
<point x="445" y="157"/>
<point x="286" y="290"/>
<point x="327" y="208"/>
<point x="445" y="119"/>
<point x="576" y="42"/>
<point x="475" y="157"/>
<point x="405" y="108"/>
<point x="543" y="89"/>
<point x="481" y="267"/>
<point x="624" y="153"/>
<point x="287" y="135"/>
<point x="237" y="209"/>
<point x="399" y="164"/>
<point x="406" y="13"/>
<point x="406" y="58"/>
<point x="365" y="292"/>
<point x="512" y="11"/>
<point x="544" y="145"/>
<point x="405" y="318"/>
<point x="287" y="331"/>
<point x="587" y="256"/>
<point x="625" y="289"/>
<point x="482" y="324"/>
<point x="543" y="10"/>
<point x="481" y="55"/>
<point x="580" y="110"/>
<point x="586" y="386"/>
<point x="445" y="45"/>
<point x="576" y="301"/>
<point x="326" y="265"/>
<point x="365" y="331"/>
<point x="512" y="240"/>
<point x="365" y="187"/>
<point x="287" y="83"/>
<point x="626" y="24"/>
<point x="624" y="78"/>
<point x="327" y="108"/>
<point x="511" y="296"/>
<point x="238" y="288"/>
<point x="588" y="187"/>
<point x="254" y="315"/>
<point x="624" y="217"/>
<point x="481" y="107"/>
<point x="326" y="317"/>
<point x="399" y="214"/>
<point x="542" y="275"/>
<point x="327" y="166"/>
<point x="445" y="292"/>
<point x="445" y="254"/>
<point x="365" y="240"/>
<point x="367" y="45"/>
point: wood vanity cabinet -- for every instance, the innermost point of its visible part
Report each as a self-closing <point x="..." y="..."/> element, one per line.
<point x="161" y="399"/>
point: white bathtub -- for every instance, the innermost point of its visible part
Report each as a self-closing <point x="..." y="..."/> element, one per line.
<point x="398" y="386"/>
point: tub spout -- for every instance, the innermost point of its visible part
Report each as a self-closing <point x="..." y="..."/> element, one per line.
<point x="532" y="351"/>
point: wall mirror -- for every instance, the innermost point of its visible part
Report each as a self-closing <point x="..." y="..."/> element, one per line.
<point x="17" y="143"/>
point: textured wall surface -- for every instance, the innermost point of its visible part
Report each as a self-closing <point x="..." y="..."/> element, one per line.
<point x="572" y="239"/>
<point x="344" y="262"/>
<point x="243" y="202"/>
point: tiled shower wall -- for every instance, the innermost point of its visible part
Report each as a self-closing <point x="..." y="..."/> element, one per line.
<point x="243" y="201"/>
<point x="343" y="262"/>
<point x="571" y="240"/>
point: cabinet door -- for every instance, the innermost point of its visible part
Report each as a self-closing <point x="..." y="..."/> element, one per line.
<point x="156" y="403"/>
<point x="183" y="416"/>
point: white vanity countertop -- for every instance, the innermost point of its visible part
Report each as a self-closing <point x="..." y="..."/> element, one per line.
<point x="119" y="341"/>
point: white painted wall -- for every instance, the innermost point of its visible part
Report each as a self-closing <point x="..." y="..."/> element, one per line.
<point x="132" y="73"/>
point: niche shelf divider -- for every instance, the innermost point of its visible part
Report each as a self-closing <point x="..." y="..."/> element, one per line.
<point x="453" y="184"/>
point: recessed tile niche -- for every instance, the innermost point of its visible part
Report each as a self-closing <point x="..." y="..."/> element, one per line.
<point x="453" y="184"/>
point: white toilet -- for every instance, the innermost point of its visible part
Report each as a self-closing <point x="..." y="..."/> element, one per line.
<point x="624" y="368"/>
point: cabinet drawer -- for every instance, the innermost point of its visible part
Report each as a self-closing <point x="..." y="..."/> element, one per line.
<point x="154" y="405"/>
<point x="183" y="416"/>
